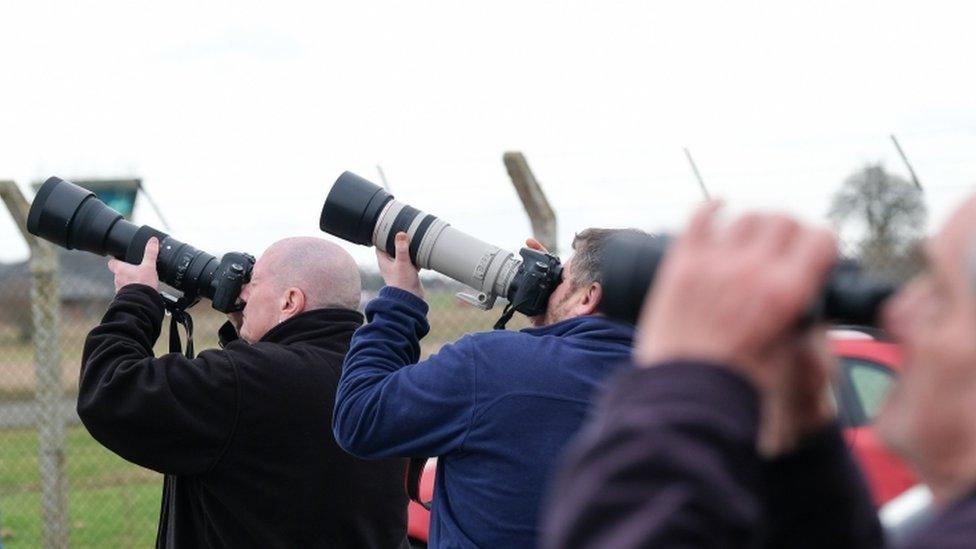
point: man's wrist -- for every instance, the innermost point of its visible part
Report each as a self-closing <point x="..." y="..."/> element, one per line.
<point x="142" y="288"/>
<point x="152" y="287"/>
<point x="142" y="301"/>
<point x="413" y="287"/>
<point x="399" y="294"/>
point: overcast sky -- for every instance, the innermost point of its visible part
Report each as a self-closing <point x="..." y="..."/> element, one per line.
<point x="239" y="115"/>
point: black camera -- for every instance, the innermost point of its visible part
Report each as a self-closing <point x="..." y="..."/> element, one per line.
<point x="630" y="262"/>
<point x="74" y="218"/>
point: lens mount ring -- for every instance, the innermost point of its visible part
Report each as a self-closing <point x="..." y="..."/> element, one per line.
<point x="426" y="245"/>
<point x="403" y="221"/>
<point x="418" y="231"/>
<point x="385" y="222"/>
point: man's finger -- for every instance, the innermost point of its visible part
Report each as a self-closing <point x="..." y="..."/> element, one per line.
<point x="151" y="253"/>
<point x="701" y="226"/>
<point x="792" y="282"/>
<point x="778" y="234"/>
<point x="743" y="229"/>
<point x="113" y="264"/>
<point x="808" y="261"/>
<point x="534" y="244"/>
<point x="402" y="246"/>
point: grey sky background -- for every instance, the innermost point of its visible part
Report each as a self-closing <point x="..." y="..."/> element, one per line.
<point x="239" y="115"/>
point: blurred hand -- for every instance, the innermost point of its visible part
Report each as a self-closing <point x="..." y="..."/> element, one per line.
<point x="143" y="273"/>
<point x="799" y="403"/>
<point x="734" y="295"/>
<point x="399" y="272"/>
<point x="535" y="245"/>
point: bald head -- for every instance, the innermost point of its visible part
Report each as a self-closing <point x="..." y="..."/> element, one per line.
<point x="323" y="271"/>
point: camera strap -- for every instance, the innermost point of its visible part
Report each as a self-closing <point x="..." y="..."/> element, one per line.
<point x="176" y="318"/>
<point x="507" y="315"/>
<point x="415" y="470"/>
<point x="179" y="316"/>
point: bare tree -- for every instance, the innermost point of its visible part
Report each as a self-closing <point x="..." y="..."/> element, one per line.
<point x="892" y="214"/>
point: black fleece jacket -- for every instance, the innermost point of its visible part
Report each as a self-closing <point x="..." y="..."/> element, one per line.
<point x="670" y="460"/>
<point x="242" y="434"/>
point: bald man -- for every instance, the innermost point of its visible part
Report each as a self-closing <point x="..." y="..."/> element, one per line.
<point x="243" y="434"/>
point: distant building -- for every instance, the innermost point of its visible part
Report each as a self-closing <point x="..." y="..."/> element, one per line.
<point x="85" y="283"/>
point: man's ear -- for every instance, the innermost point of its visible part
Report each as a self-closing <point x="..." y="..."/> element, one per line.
<point x="293" y="303"/>
<point x="590" y="301"/>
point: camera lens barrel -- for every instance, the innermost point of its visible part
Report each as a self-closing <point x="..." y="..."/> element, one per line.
<point x="353" y="208"/>
<point x="74" y="218"/>
<point x="359" y="211"/>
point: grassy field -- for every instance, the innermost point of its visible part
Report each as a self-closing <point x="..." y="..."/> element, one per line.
<point x="112" y="503"/>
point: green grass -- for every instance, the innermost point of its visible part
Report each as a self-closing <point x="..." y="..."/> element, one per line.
<point x="111" y="503"/>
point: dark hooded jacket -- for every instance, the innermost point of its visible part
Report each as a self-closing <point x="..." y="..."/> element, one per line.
<point x="243" y="434"/>
<point x="670" y="461"/>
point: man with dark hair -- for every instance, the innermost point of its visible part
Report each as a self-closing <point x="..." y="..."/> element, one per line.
<point x="583" y="270"/>
<point x="495" y="407"/>
<point x="242" y="433"/>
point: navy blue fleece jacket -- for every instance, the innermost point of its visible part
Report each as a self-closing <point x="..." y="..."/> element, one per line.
<point x="497" y="408"/>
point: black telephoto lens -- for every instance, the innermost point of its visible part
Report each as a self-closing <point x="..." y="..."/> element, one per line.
<point x="74" y="218"/>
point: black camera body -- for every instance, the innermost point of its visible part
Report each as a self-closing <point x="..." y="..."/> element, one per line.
<point x="534" y="281"/>
<point x="233" y="272"/>
<point x="74" y="218"/>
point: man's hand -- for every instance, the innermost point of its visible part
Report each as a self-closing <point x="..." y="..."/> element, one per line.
<point x="399" y="272"/>
<point x="143" y="273"/>
<point x="799" y="404"/>
<point x="735" y="296"/>
<point x="534" y="244"/>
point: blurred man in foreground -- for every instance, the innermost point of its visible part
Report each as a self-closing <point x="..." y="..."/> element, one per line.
<point x="242" y="434"/>
<point x="496" y="407"/>
<point x="929" y="416"/>
<point x="721" y="438"/>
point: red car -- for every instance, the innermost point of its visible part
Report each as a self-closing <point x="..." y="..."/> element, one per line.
<point x="869" y="366"/>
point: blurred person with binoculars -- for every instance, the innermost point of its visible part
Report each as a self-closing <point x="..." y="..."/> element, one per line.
<point x="723" y="435"/>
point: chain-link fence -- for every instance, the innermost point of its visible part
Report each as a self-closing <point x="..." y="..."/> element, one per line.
<point x="59" y="486"/>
